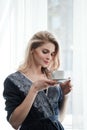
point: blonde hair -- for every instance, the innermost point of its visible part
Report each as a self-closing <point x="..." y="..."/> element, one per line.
<point x="36" y="41"/>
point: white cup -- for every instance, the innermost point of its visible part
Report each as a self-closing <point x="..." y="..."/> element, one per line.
<point x="59" y="74"/>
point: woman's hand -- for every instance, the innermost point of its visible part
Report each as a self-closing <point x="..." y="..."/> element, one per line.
<point x="43" y="84"/>
<point x="66" y="87"/>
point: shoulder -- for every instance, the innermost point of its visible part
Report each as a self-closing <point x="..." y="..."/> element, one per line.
<point x="12" y="78"/>
<point x="17" y="81"/>
<point x="10" y="88"/>
<point x="12" y="75"/>
<point x="8" y="80"/>
<point x="8" y="77"/>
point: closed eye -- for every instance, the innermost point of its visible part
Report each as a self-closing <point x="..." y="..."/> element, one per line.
<point x="45" y="51"/>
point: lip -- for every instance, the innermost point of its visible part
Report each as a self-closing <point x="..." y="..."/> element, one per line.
<point x="46" y="62"/>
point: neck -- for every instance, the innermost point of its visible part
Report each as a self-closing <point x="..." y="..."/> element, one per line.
<point x="35" y="74"/>
<point x="34" y="70"/>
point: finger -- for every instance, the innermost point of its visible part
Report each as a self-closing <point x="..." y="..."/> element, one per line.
<point x="66" y="91"/>
<point x="66" y="83"/>
<point x="51" y="82"/>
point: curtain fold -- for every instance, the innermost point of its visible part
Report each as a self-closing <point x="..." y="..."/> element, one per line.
<point x="79" y="113"/>
<point x="18" y="20"/>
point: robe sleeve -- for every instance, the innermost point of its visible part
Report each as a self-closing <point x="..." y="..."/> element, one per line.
<point x="12" y="95"/>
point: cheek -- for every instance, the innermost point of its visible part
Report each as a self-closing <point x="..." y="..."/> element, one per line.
<point x="38" y="55"/>
<point x="41" y="56"/>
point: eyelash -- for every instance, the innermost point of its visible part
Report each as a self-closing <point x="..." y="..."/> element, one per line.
<point x="45" y="52"/>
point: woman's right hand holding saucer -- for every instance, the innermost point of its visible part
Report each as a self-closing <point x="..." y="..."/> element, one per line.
<point x="42" y="84"/>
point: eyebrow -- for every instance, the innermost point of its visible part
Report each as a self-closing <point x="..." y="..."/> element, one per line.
<point x="48" y="50"/>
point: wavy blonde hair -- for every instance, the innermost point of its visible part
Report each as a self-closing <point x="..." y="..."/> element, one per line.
<point x="36" y="41"/>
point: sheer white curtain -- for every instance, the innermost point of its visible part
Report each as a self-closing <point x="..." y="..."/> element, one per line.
<point x="18" y="20"/>
<point x="11" y="40"/>
<point x="80" y="65"/>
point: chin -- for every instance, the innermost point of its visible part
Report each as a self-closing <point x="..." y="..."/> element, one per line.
<point x="45" y="66"/>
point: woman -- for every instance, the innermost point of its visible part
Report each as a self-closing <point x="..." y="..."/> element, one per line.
<point x="34" y="101"/>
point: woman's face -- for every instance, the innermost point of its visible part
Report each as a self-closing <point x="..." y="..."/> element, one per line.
<point x="44" y="54"/>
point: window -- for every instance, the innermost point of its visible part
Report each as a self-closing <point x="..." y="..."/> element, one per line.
<point x="60" y="15"/>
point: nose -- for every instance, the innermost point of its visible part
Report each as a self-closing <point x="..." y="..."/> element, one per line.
<point x="49" y="57"/>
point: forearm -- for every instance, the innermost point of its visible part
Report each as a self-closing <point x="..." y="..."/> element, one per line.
<point x="63" y="108"/>
<point x="20" y="113"/>
<point x="66" y="88"/>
